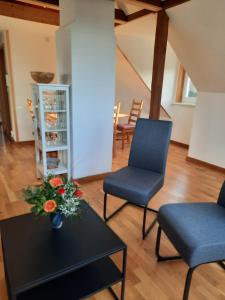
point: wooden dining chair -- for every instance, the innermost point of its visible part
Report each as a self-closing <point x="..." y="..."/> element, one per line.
<point x="115" y="131"/>
<point x="128" y="128"/>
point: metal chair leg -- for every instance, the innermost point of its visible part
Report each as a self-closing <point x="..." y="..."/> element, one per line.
<point x="157" y="249"/>
<point x="114" y="213"/>
<point x="188" y="283"/>
<point x="145" y="231"/>
<point x="157" y="246"/>
<point x="222" y="264"/>
<point x="105" y="207"/>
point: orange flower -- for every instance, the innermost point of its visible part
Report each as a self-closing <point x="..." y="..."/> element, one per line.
<point x="56" y="182"/>
<point x="50" y="206"/>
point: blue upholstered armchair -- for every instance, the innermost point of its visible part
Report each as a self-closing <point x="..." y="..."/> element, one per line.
<point x="144" y="176"/>
<point x="197" y="231"/>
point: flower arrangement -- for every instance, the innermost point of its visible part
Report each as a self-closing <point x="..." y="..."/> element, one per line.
<point x="54" y="196"/>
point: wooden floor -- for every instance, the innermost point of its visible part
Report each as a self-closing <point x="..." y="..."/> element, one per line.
<point x="146" y="279"/>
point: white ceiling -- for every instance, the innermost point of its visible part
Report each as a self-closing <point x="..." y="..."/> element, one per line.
<point x="127" y="8"/>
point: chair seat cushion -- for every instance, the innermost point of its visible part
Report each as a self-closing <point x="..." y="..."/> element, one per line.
<point x="133" y="184"/>
<point x="197" y="230"/>
<point x="125" y="126"/>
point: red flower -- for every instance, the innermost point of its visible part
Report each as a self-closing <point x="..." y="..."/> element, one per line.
<point x="50" y="206"/>
<point x="56" y="182"/>
<point x="78" y="193"/>
<point x="61" y="191"/>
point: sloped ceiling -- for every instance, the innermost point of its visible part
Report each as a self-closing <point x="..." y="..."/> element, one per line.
<point x="197" y="36"/>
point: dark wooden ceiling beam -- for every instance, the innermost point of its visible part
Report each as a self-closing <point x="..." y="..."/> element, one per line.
<point x="54" y="2"/>
<point x="120" y="15"/>
<point x="16" y="9"/>
<point x="156" y="5"/>
<point x="47" y="15"/>
<point x="29" y="12"/>
<point x="171" y="3"/>
<point x="138" y="14"/>
<point x="161" y="37"/>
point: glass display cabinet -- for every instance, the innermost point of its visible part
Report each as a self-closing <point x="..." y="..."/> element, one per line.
<point x="52" y="129"/>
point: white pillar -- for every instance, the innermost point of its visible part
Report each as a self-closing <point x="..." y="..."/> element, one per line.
<point x="86" y="59"/>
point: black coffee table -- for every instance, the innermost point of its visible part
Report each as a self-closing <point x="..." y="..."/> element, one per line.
<point x="70" y="263"/>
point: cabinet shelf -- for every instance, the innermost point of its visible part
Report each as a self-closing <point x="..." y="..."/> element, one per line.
<point x="57" y="147"/>
<point x="54" y="111"/>
<point x="55" y="130"/>
<point x="61" y="169"/>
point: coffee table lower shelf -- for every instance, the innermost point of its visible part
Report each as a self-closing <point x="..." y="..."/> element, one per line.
<point x="79" y="284"/>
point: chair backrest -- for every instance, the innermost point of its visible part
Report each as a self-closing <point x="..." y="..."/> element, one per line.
<point x="116" y="114"/>
<point x="221" y="198"/>
<point x="150" y="145"/>
<point x="135" y="111"/>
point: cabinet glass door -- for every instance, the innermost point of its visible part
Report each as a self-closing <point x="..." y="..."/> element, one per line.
<point x="54" y="101"/>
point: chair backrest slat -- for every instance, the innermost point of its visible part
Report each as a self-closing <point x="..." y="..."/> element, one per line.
<point x="135" y="111"/>
<point x="150" y="145"/>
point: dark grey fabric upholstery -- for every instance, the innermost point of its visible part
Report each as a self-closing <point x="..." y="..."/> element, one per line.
<point x="144" y="175"/>
<point x="150" y="145"/>
<point x="221" y="198"/>
<point x="133" y="184"/>
<point x="197" y="230"/>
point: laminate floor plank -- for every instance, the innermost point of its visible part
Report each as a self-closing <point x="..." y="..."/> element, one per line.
<point x="146" y="279"/>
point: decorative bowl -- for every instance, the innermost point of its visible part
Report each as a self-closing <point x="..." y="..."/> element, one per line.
<point x="42" y="77"/>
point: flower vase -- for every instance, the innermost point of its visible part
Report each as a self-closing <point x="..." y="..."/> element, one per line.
<point x="56" y="220"/>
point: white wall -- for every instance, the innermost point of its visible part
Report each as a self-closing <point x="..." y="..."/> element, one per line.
<point x="129" y="86"/>
<point x="63" y="55"/>
<point x="93" y="82"/>
<point x="136" y="39"/>
<point x="32" y="47"/>
<point x="196" y="35"/>
<point x="182" y="116"/>
<point x="208" y="133"/>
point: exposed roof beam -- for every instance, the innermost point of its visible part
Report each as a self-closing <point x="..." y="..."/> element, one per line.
<point x="29" y="12"/>
<point x="40" y="3"/>
<point x="145" y="4"/>
<point x="46" y="15"/>
<point x="138" y="14"/>
<point x="155" y="5"/>
<point x="120" y="16"/>
<point x="54" y="2"/>
<point x="171" y="3"/>
<point x="161" y="37"/>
